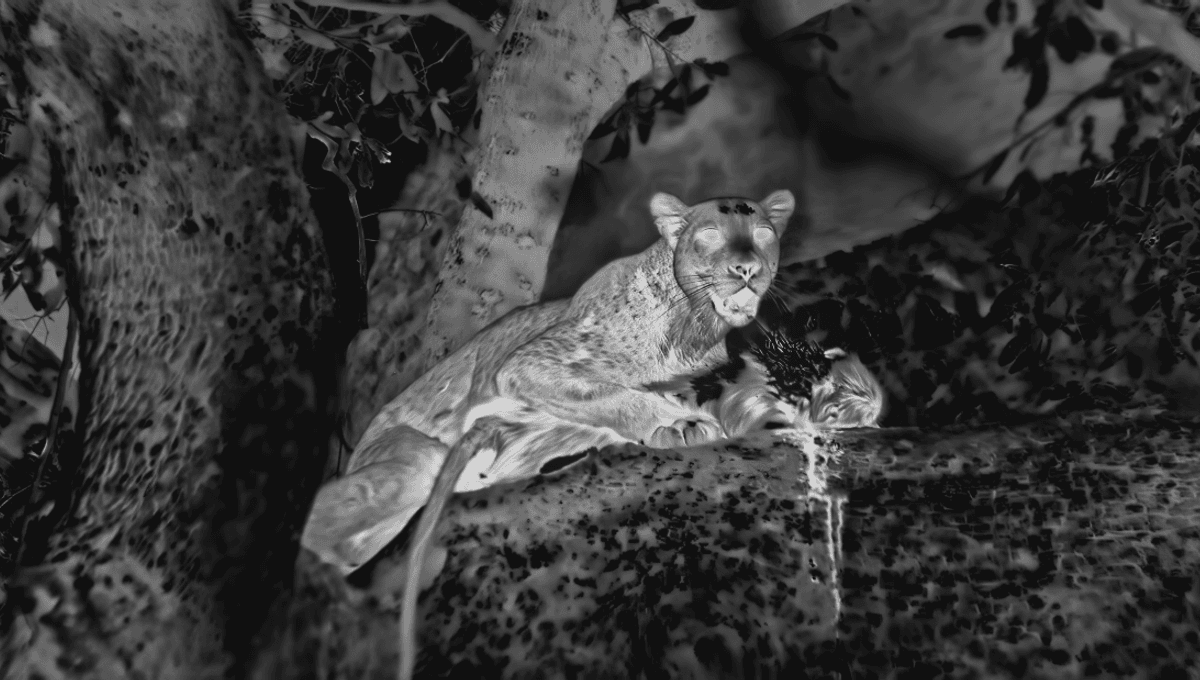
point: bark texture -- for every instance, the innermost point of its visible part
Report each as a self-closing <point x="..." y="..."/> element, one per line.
<point x="201" y="287"/>
<point x="538" y="108"/>
<point x="1060" y="548"/>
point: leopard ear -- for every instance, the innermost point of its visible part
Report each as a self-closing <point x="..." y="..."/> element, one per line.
<point x="668" y="216"/>
<point x="779" y="207"/>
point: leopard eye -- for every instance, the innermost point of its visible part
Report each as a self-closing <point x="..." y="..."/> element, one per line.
<point x="709" y="236"/>
<point x="764" y="234"/>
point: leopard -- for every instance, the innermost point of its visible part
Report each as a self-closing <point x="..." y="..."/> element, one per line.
<point x="557" y="377"/>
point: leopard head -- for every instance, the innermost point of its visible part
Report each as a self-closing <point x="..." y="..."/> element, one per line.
<point x="726" y="250"/>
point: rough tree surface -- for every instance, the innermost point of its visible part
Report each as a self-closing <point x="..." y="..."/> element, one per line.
<point x="1059" y="548"/>
<point x="201" y="287"/>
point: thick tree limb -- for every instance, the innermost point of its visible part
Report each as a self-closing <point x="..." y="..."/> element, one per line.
<point x="1038" y="550"/>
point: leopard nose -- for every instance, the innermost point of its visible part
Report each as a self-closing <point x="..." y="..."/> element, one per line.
<point x="745" y="271"/>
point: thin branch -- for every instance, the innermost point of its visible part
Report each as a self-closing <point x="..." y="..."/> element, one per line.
<point x="480" y="36"/>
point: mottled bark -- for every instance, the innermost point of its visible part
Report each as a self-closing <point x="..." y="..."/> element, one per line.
<point x="201" y="287"/>
<point x="1051" y="549"/>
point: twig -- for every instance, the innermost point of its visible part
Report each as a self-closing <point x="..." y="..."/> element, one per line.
<point x="329" y="165"/>
<point x="427" y="214"/>
<point x="60" y="393"/>
<point x="448" y="13"/>
<point x="661" y="45"/>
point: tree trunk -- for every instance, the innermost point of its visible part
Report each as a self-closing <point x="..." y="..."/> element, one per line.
<point x="1057" y="548"/>
<point x="201" y="288"/>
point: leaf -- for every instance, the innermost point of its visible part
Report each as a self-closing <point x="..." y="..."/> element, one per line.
<point x="712" y="69"/>
<point x="1061" y="41"/>
<point x="440" y="119"/>
<point x="1113" y="356"/>
<point x="1109" y="44"/>
<point x="379" y="90"/>
<point x="696" y="96"/>
<point x="480" y="204"/>
<point x="933" y="324"/>
<point x="674" y="104"/>
<point x="1026" y="49"/>
<point x="1024" y="187"/>
<point x="825" y="39"/>
<point x="1144" y="301"/>
<point x="1039" y="82"/>
<point x="1027" y="358"/>
<point x="1187" y="127"/>
<point x="1132" y="61"/>
<point x="317" y="40"/>
<point x="1134" y="365"/>
<point x="993" y="165"/>
<point x="663" y="92"/>
<point x="1166" y="355"/>
<point x="644" y="125"/>
<point x="675" y="28"/>
<point x="1017" y="344"/>
<point x="1081" y="35"/>
<point x="627" y="6"/>
<point x="965" y="31"/>
<point x="606" y="127"/>
<point x="992" y="12"/>
<point x="366" y="178"/>
<point x="1007" y="303"/>
<point x="619" y="148"/>
<point x="837" y="89"/>
<point x="828" y="41"/>
<point x="390" y="72"/>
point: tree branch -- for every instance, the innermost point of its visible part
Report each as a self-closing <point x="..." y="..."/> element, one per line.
<point x="480" y="37"/>
<point x="1075" y="512"/>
